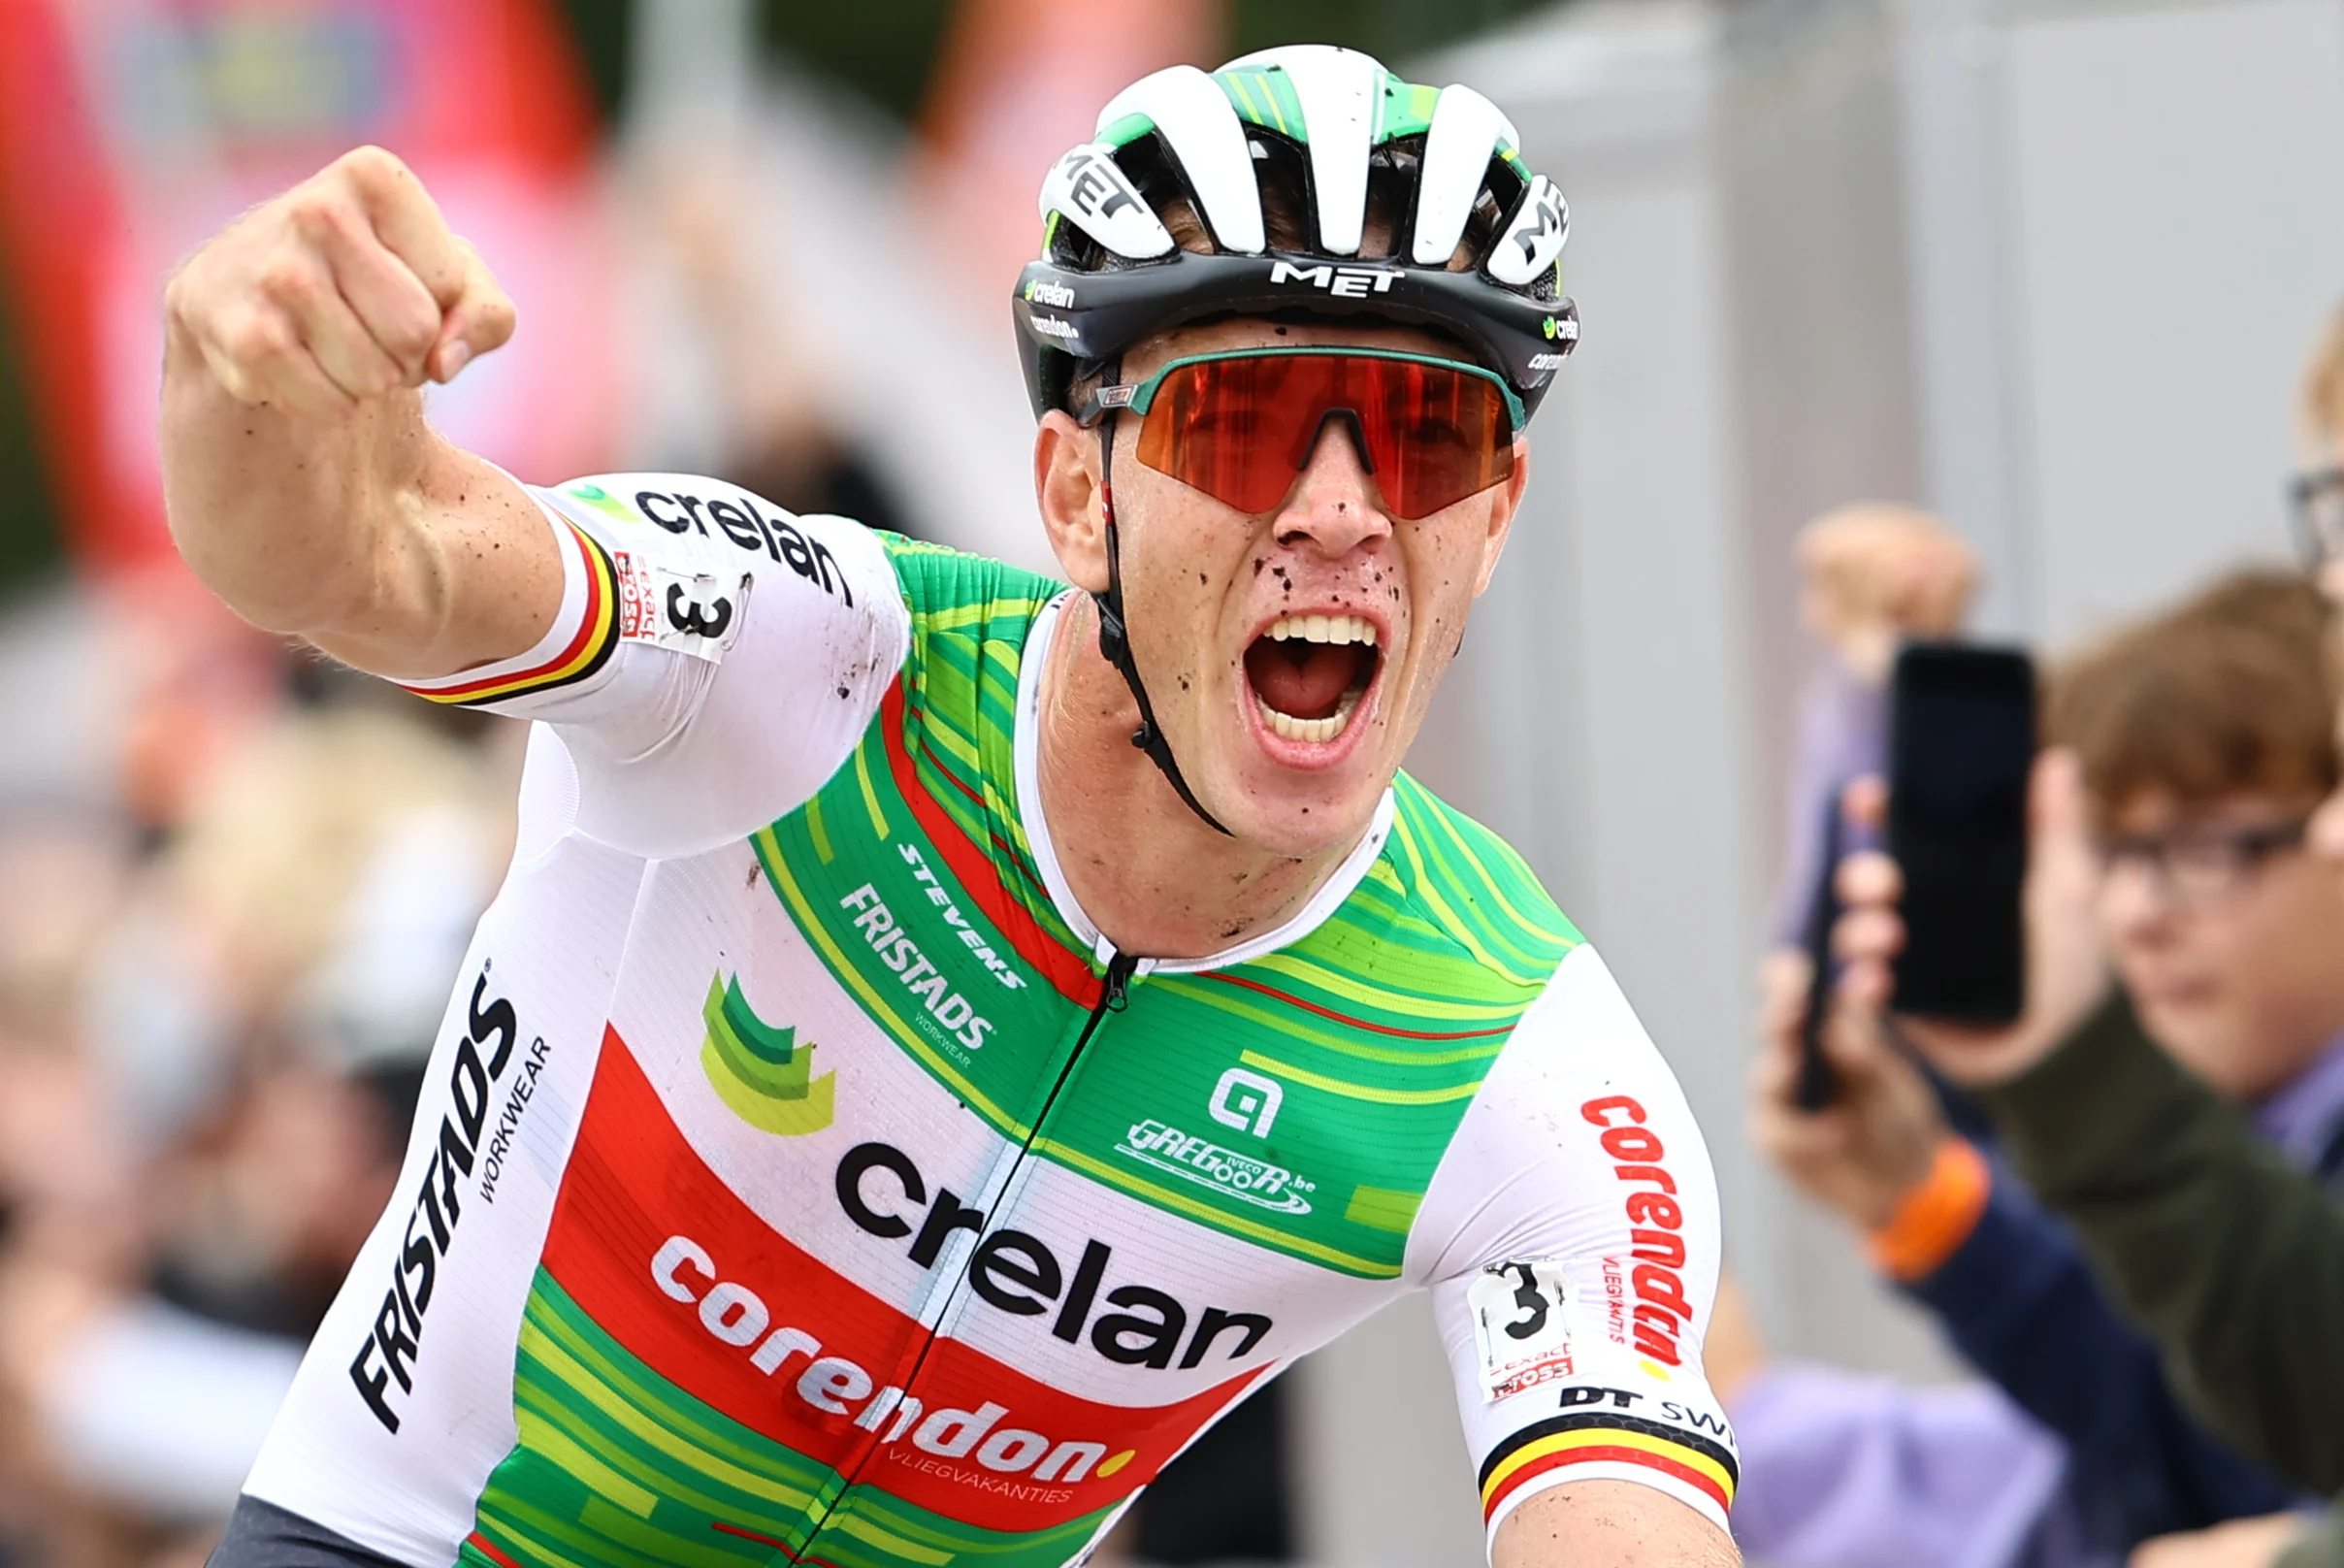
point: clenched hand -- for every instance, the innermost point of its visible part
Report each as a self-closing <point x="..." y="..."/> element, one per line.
<point x="349" y="287"/>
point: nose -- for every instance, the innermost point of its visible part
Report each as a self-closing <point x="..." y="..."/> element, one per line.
<point x="1334" y="507"/>
<point x="2136" y="905"/>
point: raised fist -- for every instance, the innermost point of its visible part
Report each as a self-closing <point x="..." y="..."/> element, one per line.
<point x="351" y="286"/>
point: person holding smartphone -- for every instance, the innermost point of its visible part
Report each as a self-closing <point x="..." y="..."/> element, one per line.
<point x="2232" y="1260"/>
<point x="2202" y="737"/>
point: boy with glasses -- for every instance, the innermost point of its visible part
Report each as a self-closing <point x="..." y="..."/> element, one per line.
<point x="2230" y="1259"/>
<point x="2204" y="742"/>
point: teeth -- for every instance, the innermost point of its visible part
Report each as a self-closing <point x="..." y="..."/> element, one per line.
<point x="1294" y="729"/>
<point x="1324" y="628"/>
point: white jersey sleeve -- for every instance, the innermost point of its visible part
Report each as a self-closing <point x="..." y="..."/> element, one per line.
<point x="714" y="660"/>
<point x="1569" y="1239"/>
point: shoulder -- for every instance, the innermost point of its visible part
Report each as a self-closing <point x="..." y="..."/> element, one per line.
<point x="1578" y="1134"/>
<point x="951" y="591"/>
<point x="1436" y="957"/>
<point x="1464" y="892"/>
<point x="942" y="589"/>
<point x="971" y="617"/>
<point x="739" y="652"/>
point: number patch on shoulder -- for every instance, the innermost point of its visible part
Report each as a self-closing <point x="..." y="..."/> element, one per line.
<point x="1522" y="1325"/>
<point x="693" y="613"/>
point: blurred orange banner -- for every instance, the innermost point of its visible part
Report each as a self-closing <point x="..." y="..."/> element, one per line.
<point x="131" y="129"/>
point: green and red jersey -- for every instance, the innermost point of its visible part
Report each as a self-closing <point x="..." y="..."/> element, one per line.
<point x="803" y="1178"/>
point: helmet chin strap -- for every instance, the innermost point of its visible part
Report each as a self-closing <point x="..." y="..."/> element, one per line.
<point x="1115" y="644"/>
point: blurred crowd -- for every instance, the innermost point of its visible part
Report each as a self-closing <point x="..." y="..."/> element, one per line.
<point x="219" y="979"/>
<point x="2116" y="1209"/>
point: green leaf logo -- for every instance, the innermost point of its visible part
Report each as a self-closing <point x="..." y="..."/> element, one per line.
<point x="762" y="1072"/>
<point x="601" y="500"/>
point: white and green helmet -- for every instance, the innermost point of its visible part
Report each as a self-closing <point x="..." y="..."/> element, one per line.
<point x="1475" y="244"/>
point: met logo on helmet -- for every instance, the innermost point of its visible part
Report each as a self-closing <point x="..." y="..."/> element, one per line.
<point x="1348" y="282"/>
<point x="1095" y="185"/>
<point x="1542" y="220"/>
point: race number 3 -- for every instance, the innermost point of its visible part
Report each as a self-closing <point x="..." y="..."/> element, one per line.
<point x="1522" y="1325"/>
<point x="694" y="614"/>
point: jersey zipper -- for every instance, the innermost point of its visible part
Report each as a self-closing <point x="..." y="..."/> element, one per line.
<point x="1115" y="995"/>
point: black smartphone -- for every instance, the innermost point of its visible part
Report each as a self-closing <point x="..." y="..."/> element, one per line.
<point x="1962" y="739"/>
<point x="1818" y="1084"/>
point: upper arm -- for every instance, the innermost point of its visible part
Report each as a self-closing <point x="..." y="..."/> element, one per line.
<point x="1570" y="1240"/>
<point x="713" y="662"/>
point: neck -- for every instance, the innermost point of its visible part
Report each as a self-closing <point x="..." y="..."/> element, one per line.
<point x="1155" y="878"/>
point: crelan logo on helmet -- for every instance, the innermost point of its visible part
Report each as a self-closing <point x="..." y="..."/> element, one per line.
<point x="1348" y="282"/>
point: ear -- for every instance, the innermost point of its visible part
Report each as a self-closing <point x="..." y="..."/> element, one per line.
<point x="1505" y="499"/>
<point x="1067" y="487"/>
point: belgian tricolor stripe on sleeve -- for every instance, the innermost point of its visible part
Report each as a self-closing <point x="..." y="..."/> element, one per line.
<point x="1608" y="1437"/>
<point x="578" y="656"/>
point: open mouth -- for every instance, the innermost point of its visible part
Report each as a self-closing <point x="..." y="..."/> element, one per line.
<point x="1308" y="672"/>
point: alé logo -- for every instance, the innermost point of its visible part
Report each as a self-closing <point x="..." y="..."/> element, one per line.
<point x="764" y="1074"/>
<point x="1243" y="1099"/>
<point x="1247" y="1101"/>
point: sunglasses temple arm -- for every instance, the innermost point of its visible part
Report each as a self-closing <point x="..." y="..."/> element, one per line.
<point x="1115" y="643"/>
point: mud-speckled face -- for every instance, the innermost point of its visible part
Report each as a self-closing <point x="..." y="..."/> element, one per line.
<point x="1290" y="654"/>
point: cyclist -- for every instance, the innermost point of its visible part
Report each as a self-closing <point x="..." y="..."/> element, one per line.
<point x="946" y="1036"/>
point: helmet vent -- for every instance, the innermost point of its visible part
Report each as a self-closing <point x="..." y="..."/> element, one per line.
<point x="1394" y="171"/>
<point x="1155" y="169"/>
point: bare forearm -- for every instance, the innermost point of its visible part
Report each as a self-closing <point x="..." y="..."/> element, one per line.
<point x="283" y="514"/>
<point x="1610" y="1524"/>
